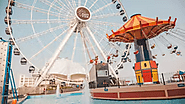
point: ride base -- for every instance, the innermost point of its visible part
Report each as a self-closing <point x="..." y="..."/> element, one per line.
<point x="145" y="92"/>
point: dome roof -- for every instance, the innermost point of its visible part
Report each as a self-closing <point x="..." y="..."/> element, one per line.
<point x="65" y="67"/>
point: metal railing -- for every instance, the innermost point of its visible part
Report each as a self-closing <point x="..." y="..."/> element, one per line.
<point x="164" y="78"/>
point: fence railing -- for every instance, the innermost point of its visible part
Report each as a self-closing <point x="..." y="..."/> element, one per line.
<point x="164" y="78"/>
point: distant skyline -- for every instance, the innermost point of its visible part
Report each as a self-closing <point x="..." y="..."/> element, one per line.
<point x="148" y="8"/>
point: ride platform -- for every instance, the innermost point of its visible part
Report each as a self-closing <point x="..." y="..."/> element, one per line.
<point x="145" y="92"/>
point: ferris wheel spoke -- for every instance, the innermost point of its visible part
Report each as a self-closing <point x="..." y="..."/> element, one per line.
<point x="91" y="45"/>
<point x="99" y="9"/>
<point x="40" y="33"/>
<point x="93" y="4"/>
<point x="100" y="36"/>
<point x="69" y="4"/>
<point x="55" y="7"/>
<point x="36" y="9"/>
<point x="64" y="5"/>
<point x="84" y="44"/>
<point x="87" y="71"/>
<point x="104" y="23"/>
<point x="79" y="2"/>
<point x="85" y="2"/>
<point x="56" y="38"/>
<point x="109" y="52"/>
<point x="86" y="39"/>
<point x="74" y="3"/>
<point x="105" y="15"/>
<point x="74" y="48"/>
<point x="99" y="28"/>
<point x="41" y="21"/>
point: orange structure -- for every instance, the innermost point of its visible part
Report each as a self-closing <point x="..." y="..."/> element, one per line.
<point x="139" y="27"/>
<point x="139" y="30"/>
<point x="14" y="101"/>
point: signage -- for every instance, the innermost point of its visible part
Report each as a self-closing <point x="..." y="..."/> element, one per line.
<point x="83" y="13"/>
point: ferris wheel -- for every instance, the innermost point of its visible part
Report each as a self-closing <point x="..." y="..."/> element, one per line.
<point x="45" y="30"/>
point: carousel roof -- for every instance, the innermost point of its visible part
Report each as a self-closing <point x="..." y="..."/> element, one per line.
<point x="139" y="27"/>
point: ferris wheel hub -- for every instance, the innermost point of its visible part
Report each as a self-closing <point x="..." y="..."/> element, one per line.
<point x="83" y="13"/>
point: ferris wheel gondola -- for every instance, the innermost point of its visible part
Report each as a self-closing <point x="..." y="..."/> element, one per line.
<point x="9" y="10"/>
<point x="23" y="61"/>
<point x="16" y="51"/>
<point x="12" y="41"/>
<point x="8" y="31"/>
<point x="118" y="6"/>
<point x="114" y="1"/>
<point x="31" y="69"/>
<point x="122" y="12"/>
<point x="7" y="20"/>
<point x="12" y="2"/>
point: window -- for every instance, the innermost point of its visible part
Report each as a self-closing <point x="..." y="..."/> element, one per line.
<point x="102" y="73"/>
<point x="145" y="65"/>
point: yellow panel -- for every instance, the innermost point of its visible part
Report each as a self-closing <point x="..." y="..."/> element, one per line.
<point x="138" y="73"/>
<point x="145" y="65"/>
<point x="155" y="70"/>
<point x="155" y="75"/>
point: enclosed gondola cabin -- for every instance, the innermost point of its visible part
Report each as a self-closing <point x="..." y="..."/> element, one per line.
<point x="16" y="51"/>
<point x="114" y="1"/>
<point x="6" y="20"/>
<point x="122" y="12"/>
<point x="124" y="19"/>
<point x="118" y="6"/>
<point x="11" y="41"/>
<point x="7" y="31"/>
<point x="23" y="61"/>
<point x="31" y="69"/>
<point x="12" y="2"/>
<point x="9" y="10"/>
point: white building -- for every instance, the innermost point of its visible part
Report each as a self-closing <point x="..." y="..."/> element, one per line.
<point x="3" y="55"/>
<point x="26" y="81"/>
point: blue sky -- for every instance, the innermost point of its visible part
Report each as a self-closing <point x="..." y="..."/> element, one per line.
<point x="149" y="8"/>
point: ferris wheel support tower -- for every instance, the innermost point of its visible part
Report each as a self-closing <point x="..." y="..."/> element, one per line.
<point x="53" y="59"/>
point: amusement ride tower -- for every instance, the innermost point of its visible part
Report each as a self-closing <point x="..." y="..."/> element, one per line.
<point x="139" y="30"/>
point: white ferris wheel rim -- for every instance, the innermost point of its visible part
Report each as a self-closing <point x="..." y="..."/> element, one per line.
<point x="48" y="24"/>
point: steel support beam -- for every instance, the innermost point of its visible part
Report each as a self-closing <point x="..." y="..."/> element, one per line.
<point x="104" y="56"/>
<point x="56" y="54"/>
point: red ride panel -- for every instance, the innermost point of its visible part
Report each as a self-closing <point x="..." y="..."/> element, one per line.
<point x="138" y="66"/>
<point x="176" y="92"/>
<point x="106" y="95"/>
<point x="142" y="94"/>
<point x="153" y="64"/>
<point x="147" y="75"/>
